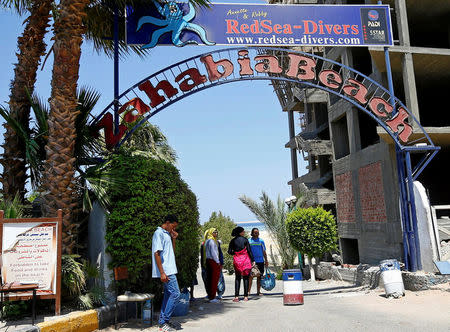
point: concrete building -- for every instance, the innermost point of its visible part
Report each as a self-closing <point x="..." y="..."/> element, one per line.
<point x="351" y="161"/>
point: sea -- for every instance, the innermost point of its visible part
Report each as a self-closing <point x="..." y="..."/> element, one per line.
<point x="249" y="225"/>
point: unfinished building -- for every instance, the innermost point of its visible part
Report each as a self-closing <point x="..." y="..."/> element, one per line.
<point x="351" y="162"/>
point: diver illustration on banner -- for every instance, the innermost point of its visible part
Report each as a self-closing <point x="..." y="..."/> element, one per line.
<point x="174" y="21"/>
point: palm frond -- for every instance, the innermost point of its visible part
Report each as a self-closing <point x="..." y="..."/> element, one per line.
<point x="91" y="270"/>
<point x="102" y="179"/>
<point x="86" y="145"/>
<point x="149" y="141"/>
<point x="97" y="294"/>
<point x="84" y="301"/>
<point x="273" y="217"/>
<point x="20" y="6"/>
<point x="100" y="27"/>
<point x="72" y="275"/>
<point x="33" y="152"/>
<point x="12" y="209"/>
<point x="41" y="111"/>
<point x="14" y="124"/>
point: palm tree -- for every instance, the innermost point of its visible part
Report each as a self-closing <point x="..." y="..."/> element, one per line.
<point x="70" y="25"/>
<point x="31" y="47"/>
<point x="59" y="169"/>
<point x="274" y="218"/>
<point x="59" y="182"/>
<point x="99" y="28"/>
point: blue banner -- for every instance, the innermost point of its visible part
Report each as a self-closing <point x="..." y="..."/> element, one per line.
<point x="180" y="24"/>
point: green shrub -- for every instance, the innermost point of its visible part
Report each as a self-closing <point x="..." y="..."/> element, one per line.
<point x="312" y="231"/>
<point x="224" y="225"/>
<point x="154" y="190"/>
<point x="15" y="310"/>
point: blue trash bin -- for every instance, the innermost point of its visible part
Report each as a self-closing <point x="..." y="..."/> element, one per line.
<point x="392" y="278"/>
<point x="292" y="287"/>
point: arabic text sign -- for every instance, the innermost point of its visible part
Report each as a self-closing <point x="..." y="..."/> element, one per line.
<point x="255" y="24"/>
<point x="29" y="253"/>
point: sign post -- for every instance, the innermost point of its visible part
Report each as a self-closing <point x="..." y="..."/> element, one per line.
<point x="31" y="254"/>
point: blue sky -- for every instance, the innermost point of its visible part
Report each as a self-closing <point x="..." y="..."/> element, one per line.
<point x="229" y="139"/>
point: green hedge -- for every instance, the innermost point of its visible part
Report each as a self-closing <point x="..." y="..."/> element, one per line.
<point x="312" y="231"/>
<point x="154" y="190"/>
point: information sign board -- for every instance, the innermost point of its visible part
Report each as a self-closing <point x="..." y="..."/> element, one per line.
<point x="180" y="24"/>
<point x="31" y="254"/>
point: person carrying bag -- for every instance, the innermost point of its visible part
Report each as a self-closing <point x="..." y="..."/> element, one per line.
<point x="242" y="261"/>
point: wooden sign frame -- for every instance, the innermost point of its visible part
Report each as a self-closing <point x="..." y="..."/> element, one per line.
<point x="58" y="221"/>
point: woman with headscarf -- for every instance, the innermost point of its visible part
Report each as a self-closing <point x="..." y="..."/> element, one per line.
<point x="213" y="267"/>
<point x="242" y="260"/>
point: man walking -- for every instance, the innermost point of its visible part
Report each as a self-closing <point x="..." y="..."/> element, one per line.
<point x="164" y="267"/>
<point x="258" y="248"/>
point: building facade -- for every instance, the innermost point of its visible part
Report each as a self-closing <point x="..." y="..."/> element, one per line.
<point x="351" y="162"/>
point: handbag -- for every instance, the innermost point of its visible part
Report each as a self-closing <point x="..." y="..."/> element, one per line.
<point x="221" y="285"/>
<point x="255" y="271"/>
<point x="242" y="263"/>
<point x="268" y="280"/>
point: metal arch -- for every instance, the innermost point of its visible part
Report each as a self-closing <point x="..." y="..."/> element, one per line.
<point x="408" y="216"/>
<point x="146" y="118"/>
<point x="265" y="76"/>
<point x="374" y="90"/>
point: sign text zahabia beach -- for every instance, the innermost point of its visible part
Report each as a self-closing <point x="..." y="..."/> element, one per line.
<point x="301" y="68"/>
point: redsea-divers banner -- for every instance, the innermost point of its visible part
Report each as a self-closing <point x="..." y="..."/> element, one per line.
<point x="179" y="24"/>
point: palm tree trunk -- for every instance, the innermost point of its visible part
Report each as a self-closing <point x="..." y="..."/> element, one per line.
<point x="31" y="48"/>
<point x="59" y="182"/>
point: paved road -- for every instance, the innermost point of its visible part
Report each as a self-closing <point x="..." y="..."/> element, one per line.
<point x="329" y="306"/>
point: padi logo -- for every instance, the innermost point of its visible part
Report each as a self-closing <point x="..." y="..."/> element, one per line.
<point x="373" y="15"/>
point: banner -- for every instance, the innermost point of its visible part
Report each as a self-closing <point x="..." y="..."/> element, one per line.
<point x="29" y="254"/>
<point x="180" y="24"/>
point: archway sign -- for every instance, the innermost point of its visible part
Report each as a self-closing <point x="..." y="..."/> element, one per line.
<point x="156" y="92"/>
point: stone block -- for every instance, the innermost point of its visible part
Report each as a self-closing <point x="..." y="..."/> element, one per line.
<point x="80" y="321"/>
<point x="85" y="321"/>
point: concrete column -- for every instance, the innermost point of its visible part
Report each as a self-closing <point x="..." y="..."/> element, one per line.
<point x="409" y="82"/>
<point x="354" y="137"/>
<point x="97" y="248"/>
<point x="402" y="22"/>
<point x="294" y="164"/>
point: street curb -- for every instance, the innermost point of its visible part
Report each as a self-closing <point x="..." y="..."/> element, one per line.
<point x="80" y="321"/>
<point x="84" y="321"/>
<point x="30" y="328"/>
